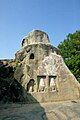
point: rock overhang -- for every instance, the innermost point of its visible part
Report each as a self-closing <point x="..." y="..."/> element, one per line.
<point x="34" y="48"/>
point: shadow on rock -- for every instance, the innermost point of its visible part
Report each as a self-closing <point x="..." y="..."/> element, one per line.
<point x="24" y="108"/>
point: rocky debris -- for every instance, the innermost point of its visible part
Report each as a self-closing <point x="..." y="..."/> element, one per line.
<point x="6" y="69"/>
<point x="10" y="89"/>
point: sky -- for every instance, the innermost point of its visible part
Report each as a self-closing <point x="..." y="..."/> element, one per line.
<point x="57" y="18"/>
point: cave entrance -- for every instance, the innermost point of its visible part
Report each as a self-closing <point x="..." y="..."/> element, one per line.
<point x="30" y="85"/>
<point x="31" y="56"/>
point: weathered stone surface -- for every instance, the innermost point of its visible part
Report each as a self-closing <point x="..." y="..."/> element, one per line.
<point x="42" y="71"/>
<point x="35" y="37"/>
<point x="69" y="110"/>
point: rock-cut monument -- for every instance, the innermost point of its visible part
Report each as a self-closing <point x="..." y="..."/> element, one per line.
<point x="42" y="72"/>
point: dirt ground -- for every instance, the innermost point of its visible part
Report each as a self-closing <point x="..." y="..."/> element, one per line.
<point x="68" y="110"/>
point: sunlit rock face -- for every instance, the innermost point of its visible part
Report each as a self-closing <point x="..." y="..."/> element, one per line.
<point x="35" y="37"/>
<point x="42" y="71"/>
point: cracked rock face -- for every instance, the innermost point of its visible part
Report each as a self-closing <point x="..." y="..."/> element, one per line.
<point x="42" y="71"/>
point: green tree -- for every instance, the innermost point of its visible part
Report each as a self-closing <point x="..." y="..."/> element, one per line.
<point x="70" y="51"/>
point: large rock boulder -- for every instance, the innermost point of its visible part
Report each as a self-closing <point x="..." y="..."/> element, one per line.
<point x="42" y="72"/>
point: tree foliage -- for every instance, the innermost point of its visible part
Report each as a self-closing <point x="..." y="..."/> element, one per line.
<point x="70" y="51"/>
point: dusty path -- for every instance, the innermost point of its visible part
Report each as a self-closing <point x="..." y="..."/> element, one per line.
<point x="45" y="111"/>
